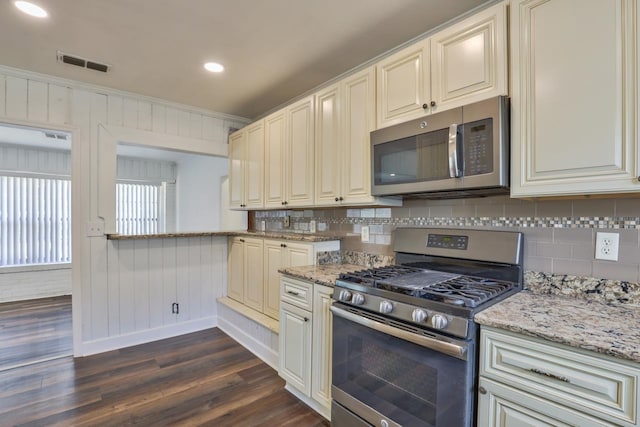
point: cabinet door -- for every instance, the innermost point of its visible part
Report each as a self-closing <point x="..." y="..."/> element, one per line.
<point x="253" y="274"/>
<point x="358" y="120"/>
<point x="236" y="169"/>
<point x="295" y="347"/>
<point x="574" y="97"/>
<point x="254" y="166"/>
<point x="321" y="360"/>
<point x="328" y="145"/>
<point x="403" y="85"/>
<point x="235" y="287"/>
<point x="300" y="143"/>
<point x="469" y="60"/>
<point x="274" y="159"/>
<point x="503" y="406"/>
<point x="298" y="254"/>
<point x="273" y="261"/>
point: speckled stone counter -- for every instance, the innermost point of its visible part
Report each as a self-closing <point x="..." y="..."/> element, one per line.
<point x="325" y="274"/>
<point x="299" y="237"/>
<point x="585" y="324"/>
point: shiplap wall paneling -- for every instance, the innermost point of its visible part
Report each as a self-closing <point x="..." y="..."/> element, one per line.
<point x="158" y="118"/>
<point x="130" y="113"/>
<point x="182" y="275"/>
<point x="196" y="278"/>
<point x="3" y="95"/>
<point x="157" y="307"/>
<point x="115" y="109"/>
<point x="144" y="115"/>
<point x="58" y="107"/>
<point x="37" y="101"/>
<point x="126" y="286"/>
<point x="184" y="123"/>
<point x="169" y="280"/>
<point x="113" y="283"/>
<point x="141" y="283"/>
<point x="171" y="121"/>
<point x="16" y="93"/>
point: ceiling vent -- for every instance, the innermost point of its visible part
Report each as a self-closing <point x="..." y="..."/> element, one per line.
<point x="58" y="136"/>
<point x="78" y="61"/>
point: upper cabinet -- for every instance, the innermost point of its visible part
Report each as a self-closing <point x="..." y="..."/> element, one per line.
<point x="275" y="150"/>
<point x="345" y="116"/>
<point x="246" y="170"/>
<point x="462" y="64"/>
<point x="574" y="68"/>
<point x="299" y="155"/>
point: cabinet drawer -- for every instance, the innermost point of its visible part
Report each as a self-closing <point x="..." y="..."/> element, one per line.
<point x="296" y="292"/>
<point x="593" y="384"/>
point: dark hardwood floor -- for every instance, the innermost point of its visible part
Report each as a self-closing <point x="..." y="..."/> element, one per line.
<point x="204" y="378"/>
<point x="35" y="330"/>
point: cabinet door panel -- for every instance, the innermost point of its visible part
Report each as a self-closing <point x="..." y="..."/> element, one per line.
<point x="236" y="169"/>
<point x="295" y="347"/>
<point x="254" y="276"/>
<point x="235" y="287"/>
<point x="403" y="85"/>
<point x="357" y="124"/>
<point x="273" y="261"/>
<point x="322" y="330"/>
<point x="300" y="143"/>
<point x="573" y="123"/>
<point x="254" y="174"/>
<point x="328" y="146"/>
<point x="468" y="59"/>
<point x="274" y="160"/>
<point x="299" y="254"/>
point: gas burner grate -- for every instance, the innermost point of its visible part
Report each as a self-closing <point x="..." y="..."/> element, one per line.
<point x="372" y="275"/>
<point x="466" y="290"/>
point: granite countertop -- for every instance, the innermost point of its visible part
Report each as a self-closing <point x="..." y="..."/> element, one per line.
<point x="323" y="274"/>
<point x="612" y="329"/>
<point x="294" y="236"/>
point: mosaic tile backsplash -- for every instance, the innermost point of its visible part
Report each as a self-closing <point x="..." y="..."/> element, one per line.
<point x="559" y="234"/>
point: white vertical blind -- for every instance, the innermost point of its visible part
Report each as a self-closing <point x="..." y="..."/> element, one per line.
<point x="35" y="220"/>
<point x="138" y="208"/>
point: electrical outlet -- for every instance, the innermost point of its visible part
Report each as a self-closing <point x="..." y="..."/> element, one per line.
<point x="287" y="221"/>
<point x="312" y="226"/>
<point x="364" y="233"/>
<point x="263" y="225"/>
<point x="607" y="246"/>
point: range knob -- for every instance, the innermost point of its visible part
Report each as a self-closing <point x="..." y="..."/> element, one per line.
<point x="344" y="295"/>
<point x="438" y="321"/>
<point x="419" y="315"/>
<point x="386" y="307"/>
<point x="357" y="299"/>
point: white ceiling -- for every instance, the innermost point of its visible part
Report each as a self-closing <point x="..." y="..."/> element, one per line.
<point x="273" y="50"/>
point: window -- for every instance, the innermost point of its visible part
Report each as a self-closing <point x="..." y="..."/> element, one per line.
<point x="139" y="208"/>
<point x="35" y="220"/>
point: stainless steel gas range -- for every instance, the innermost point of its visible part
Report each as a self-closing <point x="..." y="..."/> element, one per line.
<point x="404" y="340"/>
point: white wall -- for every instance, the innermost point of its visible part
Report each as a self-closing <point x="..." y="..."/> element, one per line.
<point x="22" y="285"/>
<point x="44" y="101"/>
<point x="198" y="192"/>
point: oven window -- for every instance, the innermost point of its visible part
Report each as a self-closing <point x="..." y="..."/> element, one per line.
<point x="407" y="383"/>
<point x="414" y="159"/>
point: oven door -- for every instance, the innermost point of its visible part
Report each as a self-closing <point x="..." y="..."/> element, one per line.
<point x="391" y="376"/>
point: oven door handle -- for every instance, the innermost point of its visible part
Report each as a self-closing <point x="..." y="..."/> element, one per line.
<point x="451" y="349"/>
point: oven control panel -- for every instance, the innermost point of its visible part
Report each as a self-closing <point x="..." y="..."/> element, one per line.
<point x="444" y="241"/>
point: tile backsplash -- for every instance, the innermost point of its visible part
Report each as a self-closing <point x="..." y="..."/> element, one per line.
<point x="559" y="234"/>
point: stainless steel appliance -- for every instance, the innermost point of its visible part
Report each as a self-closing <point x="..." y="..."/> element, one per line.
<point x="404" y="340"/>
<point x="456" y="153"/>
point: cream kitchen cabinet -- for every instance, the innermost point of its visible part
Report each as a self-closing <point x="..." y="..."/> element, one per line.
<point x="464" y="63"/>
<point x="246" y="272"/>
<point x="275" y="149"/>
<point x="280" y="254"/>
<point x="574" y="97"/>
<point x="526" y="381"/>
<point x="305" y="342"/>
<point x="246" y="170"/>
<point x="345" y="116"/>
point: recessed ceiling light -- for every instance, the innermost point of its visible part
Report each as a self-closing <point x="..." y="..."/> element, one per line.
<point x="31" y="9"/>
<point x="214" y="67"/>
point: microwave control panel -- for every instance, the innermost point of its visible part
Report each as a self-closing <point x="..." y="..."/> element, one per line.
<point x="478" y="147"/>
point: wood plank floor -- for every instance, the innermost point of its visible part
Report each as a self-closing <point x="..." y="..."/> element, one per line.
<point x="199" y="379"/>
<point x="35" y="330"/>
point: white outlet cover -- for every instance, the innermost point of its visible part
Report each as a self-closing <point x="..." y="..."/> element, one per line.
<point x="364" y="233"/>
<point x="607" y="246"/>
<point x="312" y="226"/>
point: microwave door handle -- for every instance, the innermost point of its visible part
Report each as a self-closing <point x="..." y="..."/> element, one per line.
<point x="454" y="170"/>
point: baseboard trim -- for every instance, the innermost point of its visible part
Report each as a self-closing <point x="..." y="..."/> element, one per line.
<point x="266" y="354"/>
<point x="141" y="337"/>
<point x="325" y="412"/>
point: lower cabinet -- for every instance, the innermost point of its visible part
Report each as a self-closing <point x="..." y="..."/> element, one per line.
<point x="305" y="342"/>
<point x="526" y="381"/>
<point x="254" y="262"/>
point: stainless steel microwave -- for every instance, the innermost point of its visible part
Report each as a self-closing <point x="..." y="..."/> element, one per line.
<point x="462" y="152"/>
